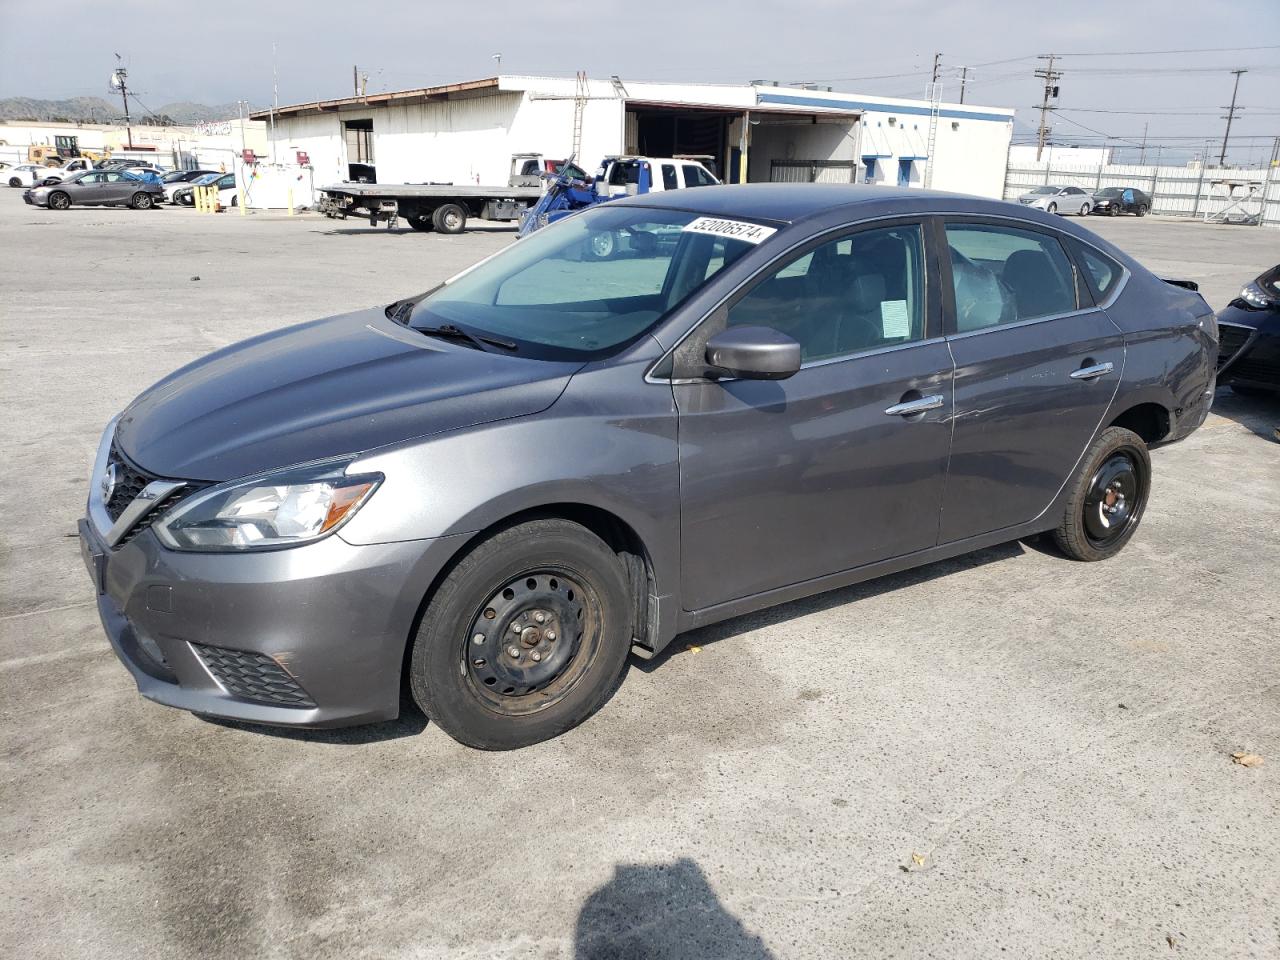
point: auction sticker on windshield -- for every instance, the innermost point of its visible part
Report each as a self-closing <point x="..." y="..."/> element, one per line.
<point x="734" y="229"/>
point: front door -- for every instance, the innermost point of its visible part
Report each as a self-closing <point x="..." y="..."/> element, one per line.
<point x="841" y="465"/>
<point x="1037" y="366"/>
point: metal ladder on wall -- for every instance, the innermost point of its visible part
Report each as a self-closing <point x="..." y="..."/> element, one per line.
<point x="935" y="105"/>
<point x="579" y="107"/>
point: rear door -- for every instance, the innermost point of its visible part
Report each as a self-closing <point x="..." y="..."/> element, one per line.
<point x="118" y="188"/>
<point x="1037" y="366"/>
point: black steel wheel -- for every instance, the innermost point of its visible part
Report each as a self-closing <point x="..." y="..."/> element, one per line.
<point x="1108" y="496"/>
<point x="59" y="200"/>
<point x="450" y="218"/>
<point x="525" y="637"/>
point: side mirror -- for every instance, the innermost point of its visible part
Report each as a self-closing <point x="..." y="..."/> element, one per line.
<point x="753" y="353"/>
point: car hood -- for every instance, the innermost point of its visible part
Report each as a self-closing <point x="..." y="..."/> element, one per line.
<point x="324" y="389"/>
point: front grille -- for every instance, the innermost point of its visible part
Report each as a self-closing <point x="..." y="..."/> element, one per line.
<point x="252" y="676"/>
<point x="130" y="481"/>
<point x="1230" y="339"/>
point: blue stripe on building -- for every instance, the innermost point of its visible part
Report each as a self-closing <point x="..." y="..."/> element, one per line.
<point x="951" y="114"/>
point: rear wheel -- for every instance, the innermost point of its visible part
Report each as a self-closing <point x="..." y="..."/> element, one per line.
<point x="141" y="201"/>
<point x="525" y="638"/>
<point x="1142" y="210"/>
<point x="450" y="218"/>
<point x="59" y="200"/>
<point x="1107" y="498"/>
<point x="15" y="181"/>
<point x="421" y="223"/>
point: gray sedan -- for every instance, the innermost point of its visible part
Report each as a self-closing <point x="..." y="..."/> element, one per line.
<point x="97" y="188"/>
<point x="495" y="492"/>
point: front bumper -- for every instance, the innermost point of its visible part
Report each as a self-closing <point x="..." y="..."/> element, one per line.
<point x="312" y="636"/>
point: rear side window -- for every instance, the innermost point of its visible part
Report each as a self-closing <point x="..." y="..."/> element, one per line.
<point x="696" y="176"/>
<point x="1004" y="275"/>
<point x="1101" y="273"/>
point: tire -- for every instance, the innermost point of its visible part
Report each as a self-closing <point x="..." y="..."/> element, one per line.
<point x="449" y="218"/>
<point x="421" y="224"/>
<point x="494" y="701"/>
<point x="1051" y="208"/>
<point x="15" y="181"/>
<point x="141" y="201"/>
<point x="1142" y="210"/>
<point x="59" y="200"/>
<point x="1084" y="210"/>
<point x="1108" y="497"/>
<point x="601" y="245"/>
<point x="1114" y="210"/>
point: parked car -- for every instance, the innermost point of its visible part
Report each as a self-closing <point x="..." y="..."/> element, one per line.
<point x="96" y="188"/>
<point x="1249" y="331"/>
<point x="175" y="180"/>
<point x="225" y="182"/>
<point x="26" y="174"/>
<point x="1064" y="200"/>
<point x="503" y="486"/>
<point x="1114" y="201"/>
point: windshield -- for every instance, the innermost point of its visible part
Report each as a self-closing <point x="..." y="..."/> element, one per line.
<point x="585" y="286"/>
<point x="207" y="178"/>
<point x="173" y="176"/>
<point x="1039" y="191"/>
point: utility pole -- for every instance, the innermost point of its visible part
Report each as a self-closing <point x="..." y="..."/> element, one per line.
<point x="355" y="79"/>
<point x="1231" y="113"/>
<point x="964" y="78"/>
<point x="119" y="80"/>
<point x="1050" y="78"/>
<point x="937" y="62"/>
<point x="1142" y="151"/>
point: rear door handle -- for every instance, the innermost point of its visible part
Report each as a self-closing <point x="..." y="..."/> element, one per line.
<point x="916" y="406"/>
<point x="1093" y="372"/>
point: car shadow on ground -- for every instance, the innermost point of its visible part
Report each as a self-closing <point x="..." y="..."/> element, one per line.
<point x="771" y="616"/>
<point x="382" y="231"/>
<point x="411" y="722"/>
<point x="1258" y="413"/>
<point x="665" y="910"/>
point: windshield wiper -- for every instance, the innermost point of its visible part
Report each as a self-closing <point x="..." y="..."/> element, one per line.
<point x="450" y="332"/>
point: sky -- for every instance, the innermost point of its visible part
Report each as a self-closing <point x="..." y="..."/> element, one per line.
<point x="223" y="53"/>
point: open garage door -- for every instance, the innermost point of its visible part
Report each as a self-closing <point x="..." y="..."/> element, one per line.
<point x="680" y="132"/>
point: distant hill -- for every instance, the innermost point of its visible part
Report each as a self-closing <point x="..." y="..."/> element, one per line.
<point x="99" y="110"/>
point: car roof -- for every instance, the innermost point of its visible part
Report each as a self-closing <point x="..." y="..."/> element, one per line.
<point x="793" y="202"/>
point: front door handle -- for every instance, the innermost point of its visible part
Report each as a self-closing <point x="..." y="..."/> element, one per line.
<point x="911" y="407"/>
<point x="1093" y="372"/>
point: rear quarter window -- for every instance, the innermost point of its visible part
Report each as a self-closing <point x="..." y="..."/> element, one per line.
<point x="1101" y="273"/>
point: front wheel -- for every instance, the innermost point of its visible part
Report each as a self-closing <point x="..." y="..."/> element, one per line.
<point x="59" y="201"/>
<point x="525" y="638"/>
<point x="450" y="218"/>
<point x="1084" y="210"/>
<point x="1051" y="208"/>
<point x="1108" y="497"/>
<point x="141" y="201"/>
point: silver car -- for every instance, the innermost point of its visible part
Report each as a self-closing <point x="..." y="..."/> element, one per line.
<point x="96" y="188"/>
<point x="1064" y="200"/>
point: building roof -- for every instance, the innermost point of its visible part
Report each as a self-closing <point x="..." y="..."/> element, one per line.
<point x="417" y="95"/>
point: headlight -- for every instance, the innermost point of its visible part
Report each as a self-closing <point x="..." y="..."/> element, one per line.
<point x="1255" y="296"/>
<point x="281" y="509"/>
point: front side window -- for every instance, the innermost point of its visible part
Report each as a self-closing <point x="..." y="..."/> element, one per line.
<point x="584" y="286"/>
<point x="228" y="181"/>
<point x="1004" y="275"/>
<point x="854" y="294"/>
<point x="669" y="181"/>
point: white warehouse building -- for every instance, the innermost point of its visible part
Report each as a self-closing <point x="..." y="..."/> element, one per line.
<point x="468" y="133"/>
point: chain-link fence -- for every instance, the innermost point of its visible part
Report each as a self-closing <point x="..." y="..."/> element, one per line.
<point x="1234" y="195"/>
